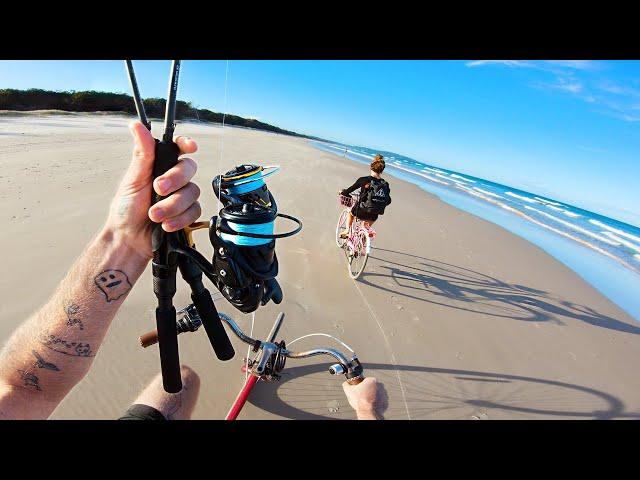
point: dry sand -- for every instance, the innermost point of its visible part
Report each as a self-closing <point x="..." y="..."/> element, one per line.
<point x="457" y="317"/>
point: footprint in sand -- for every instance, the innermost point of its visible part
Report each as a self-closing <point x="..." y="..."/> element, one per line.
<point x="396" y="303"/>
<point x="480" y="416"/>
<point x="333" y="406"/>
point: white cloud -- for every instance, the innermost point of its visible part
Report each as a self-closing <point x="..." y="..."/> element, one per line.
<point x="565" y="84"/>
<point x="575" y="64"/>
<point x="508" y="63"/>
<point x="574" y="87"/>
<point x="581" y="79"/>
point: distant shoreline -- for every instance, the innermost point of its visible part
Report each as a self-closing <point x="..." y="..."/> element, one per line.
<point x="47" y="102"/>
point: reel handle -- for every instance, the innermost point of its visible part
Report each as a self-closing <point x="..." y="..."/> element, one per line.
<point x="148" y="339"/>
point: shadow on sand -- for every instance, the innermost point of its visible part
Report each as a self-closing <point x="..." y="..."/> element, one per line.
<point x="309" y="392"/>
<point x="440" y="283"/>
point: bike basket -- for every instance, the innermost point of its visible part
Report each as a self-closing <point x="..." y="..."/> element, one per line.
<point x="348" y="201"/>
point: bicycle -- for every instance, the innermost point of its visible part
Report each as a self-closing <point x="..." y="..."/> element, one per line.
<point x="357" y="245"/>
<point x="270" y="357"/>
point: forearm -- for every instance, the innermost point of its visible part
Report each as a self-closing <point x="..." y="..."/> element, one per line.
<point x="51" y="352"/>
<point x="348" y="191"/>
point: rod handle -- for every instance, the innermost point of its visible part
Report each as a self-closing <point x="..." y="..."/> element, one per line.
<point x="168" y="345"/>
<point x="166" y="157"/>
<point x="213" y="325"/>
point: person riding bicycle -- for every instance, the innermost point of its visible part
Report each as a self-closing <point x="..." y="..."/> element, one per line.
<point x="375" y="195"/>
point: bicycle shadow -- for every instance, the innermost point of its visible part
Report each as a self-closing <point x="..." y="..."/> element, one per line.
<point x="460" y="288"/>
<point x="309" y="392"/>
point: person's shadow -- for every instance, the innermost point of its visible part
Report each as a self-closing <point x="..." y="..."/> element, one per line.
<point x="460" y="288"/>
<point x="309" y="392"/>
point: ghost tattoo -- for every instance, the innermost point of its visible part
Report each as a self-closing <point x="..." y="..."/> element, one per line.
<point x="113" y="283"/>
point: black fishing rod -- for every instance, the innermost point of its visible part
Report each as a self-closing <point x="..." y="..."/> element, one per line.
<point x="166" y="255"/>
<point x="136" y="96"/>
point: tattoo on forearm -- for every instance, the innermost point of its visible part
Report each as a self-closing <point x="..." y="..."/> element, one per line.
<point x="113" y="284"/>
<point x="175" y="403"/>
<point x="57" y="344"/>
<point x="30" y="380"/>
<point x="42" y="363"/>
<point x="72" y="310"/>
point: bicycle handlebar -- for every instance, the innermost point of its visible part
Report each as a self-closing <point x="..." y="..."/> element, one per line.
<point x="270" y="351"/>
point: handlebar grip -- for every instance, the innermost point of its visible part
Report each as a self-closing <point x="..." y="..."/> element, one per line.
<point x="168" y="343"/>
<point x="166" y="157"/>
<point x="213" y="325"/>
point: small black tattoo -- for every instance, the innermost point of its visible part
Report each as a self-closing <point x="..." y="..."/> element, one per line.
<point x="42" y="363"/>
<point x="113" y="283"/>
<point x="57" y="344"/>
<point x="174" y="406"/>
<point x="30" y="380"/>
<point x="71" y="311"/>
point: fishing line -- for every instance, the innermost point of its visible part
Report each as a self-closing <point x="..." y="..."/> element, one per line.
<point x="224" y="115"/>
<point x="246" y="370"/>
<point x="386" y="340"/>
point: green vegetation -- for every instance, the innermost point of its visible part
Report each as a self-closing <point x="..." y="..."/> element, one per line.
<point x="92" y="101"/>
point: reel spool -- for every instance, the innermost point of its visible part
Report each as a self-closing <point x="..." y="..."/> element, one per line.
<point x="245" y="184"/>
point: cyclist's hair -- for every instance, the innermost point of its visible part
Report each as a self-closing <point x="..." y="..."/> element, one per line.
<point x="378" y="164"/>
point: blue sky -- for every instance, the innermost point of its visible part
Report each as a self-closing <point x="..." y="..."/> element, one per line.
<point x="569" y="130"/>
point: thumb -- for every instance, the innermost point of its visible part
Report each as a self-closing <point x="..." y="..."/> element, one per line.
<point x="141" y="166"/>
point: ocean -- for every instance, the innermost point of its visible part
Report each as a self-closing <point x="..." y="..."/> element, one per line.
<point x="602" y="250"/>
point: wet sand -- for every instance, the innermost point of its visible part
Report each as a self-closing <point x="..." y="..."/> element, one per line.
<point x="457" y="317"/>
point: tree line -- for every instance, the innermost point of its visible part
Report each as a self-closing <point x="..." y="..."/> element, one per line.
<point x="93" y="101"/>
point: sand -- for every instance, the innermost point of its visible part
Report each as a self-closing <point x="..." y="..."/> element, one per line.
<point x="458" y="318"/>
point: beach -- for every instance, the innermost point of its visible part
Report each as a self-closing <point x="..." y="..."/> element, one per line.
<point x="457" y="317"/>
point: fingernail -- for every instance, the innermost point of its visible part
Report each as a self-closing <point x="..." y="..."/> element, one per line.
<point x="164" y="184"/>
<point x="158" y="213"/>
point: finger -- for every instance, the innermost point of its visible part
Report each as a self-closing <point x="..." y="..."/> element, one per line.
<point x="183" y="220"/>
<point x="175" y="178"/>
<point x="174" y="205"/>
<point x="186" y="144"/>
<point x="143" y="150"/>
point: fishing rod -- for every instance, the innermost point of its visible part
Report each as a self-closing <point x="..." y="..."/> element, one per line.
<point x="244" y="264"/>
<point x="165" y="258"/>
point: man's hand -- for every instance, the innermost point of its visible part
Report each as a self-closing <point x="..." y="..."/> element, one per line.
<point x="363" y="398"/>
<point x="131" y="208"/>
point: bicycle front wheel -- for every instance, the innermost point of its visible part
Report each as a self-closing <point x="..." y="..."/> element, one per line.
<point x="358" y="259"/>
